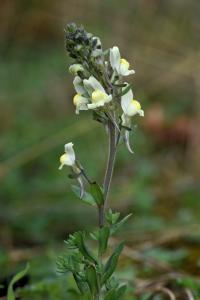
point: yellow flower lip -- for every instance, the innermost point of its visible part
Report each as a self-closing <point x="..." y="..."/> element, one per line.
<point x="136" y="104"/>
<point x="124" y="62"/>
<point x="63" y="158"/>
<point x="76" y="99"/>
<point x="98" y="95"/>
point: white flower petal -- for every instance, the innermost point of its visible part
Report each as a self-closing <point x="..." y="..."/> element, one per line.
<point x="80" y="102"/>
<point x="78" y="85"/>
<point x="134" y="108"/>
<point x="124" y="68"/>
<point x="115" y="58"/>
<point x="129" y="72"/>
<point x="141" y="112"/>
<point x="95" y="84"/>
<point x="88" y="86"/>
<point x="126" y="100"/>
<point x="126" y="72"/>
<point x="70" y="153"/>
<point x="81" y="107"/>
<point x="96" y="105"/>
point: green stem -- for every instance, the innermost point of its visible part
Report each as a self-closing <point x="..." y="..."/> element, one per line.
<point x="109" y="170"/>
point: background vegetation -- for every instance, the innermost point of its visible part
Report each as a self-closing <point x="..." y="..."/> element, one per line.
<point x="159" y="184"/>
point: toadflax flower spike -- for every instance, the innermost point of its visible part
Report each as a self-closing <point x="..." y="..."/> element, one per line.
<point x="120" y="65"/>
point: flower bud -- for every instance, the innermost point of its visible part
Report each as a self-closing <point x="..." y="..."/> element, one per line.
<point x="75" y="68"/>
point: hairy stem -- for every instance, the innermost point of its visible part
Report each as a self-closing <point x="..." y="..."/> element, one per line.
<point x="109" y="170"/>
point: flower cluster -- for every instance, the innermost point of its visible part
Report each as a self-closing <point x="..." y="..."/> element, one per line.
<point x="100" y="86"/>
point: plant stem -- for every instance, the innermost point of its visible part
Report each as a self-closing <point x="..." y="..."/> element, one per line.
<point x="109" y="170"/>
<point x="101" y="216"/>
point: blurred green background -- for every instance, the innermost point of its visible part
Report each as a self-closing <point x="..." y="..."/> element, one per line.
<point x="159" y="184"/>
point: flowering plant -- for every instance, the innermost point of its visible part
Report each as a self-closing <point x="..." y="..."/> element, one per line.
<point x="101" y="89"/>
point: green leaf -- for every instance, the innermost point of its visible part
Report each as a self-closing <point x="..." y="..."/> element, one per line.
<point x="99" y="117"/>
<point x="112" y="262"/>
<point x="125" y="90"/>
<point x="104" y="234"/>
<point x="94" y="235"/>
<point x="92" y="280"/>
<point x="18" y="276"/>
<point x="112" y="217"/>
<point x="120" y="84"/>
<point x="81" y="284"/>
<point x="115" y="294"/>
<point x="80" y="243"/>
<point x="112" y="283"/>
<point x="69" y="263"/>
<point x="87" y="197"/>
<point x="118" y="225"/>
<point x="97" y="193"/>
<point x="121" y="291"/>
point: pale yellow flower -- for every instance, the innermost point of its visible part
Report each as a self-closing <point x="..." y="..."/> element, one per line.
<point x="68" y="158"/>
<point x="97" y="93"/>
<point x="120" y="65"/>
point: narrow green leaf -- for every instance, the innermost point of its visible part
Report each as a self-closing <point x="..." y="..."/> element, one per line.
<point x="112" y="217"/>
<point x="97" y="193"/>
<point x="121" y="291"/>
<point x="95" y="235"/>
<point x="87" y="197"/>
<point x="82" y="285"/>
<point x="125" y="90"/>
<point x="104" y="234"/>
<point x="119" y="224"/>
<point x="118" y="293"/>
<point x="99" y="117"/>
<point x="111" y="295"/>
<point x="80" y="243"/>
<point x="112" y="262"/>
<point x="120" y="84"/>
<point x="92" y="280"/>
<point x="18" y="276"/>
